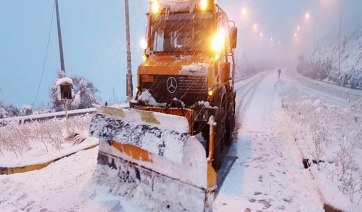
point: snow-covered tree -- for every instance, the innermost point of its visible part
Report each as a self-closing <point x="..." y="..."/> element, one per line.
<point x="11" y="111"/>
<point x="26" y="110"/>
<point x="8" y="110"/>
<point x="2" y="110"/>
<point x="83" y="93"/>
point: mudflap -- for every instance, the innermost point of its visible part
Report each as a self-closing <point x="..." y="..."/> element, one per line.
<point x="150" y="158"/>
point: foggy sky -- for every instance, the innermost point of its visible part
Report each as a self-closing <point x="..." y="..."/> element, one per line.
<point x="93" y="34"/>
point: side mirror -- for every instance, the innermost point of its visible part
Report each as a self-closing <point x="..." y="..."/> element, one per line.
<point x="233" y="37"/>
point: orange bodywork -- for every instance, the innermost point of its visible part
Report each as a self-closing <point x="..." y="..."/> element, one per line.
<point x="172" y="65"/>
<point x="133" y="151"/>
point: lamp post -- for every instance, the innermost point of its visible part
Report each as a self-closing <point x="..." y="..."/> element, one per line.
<point x="307" y="16"/>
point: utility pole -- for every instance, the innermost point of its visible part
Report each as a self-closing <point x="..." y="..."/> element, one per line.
<point x="129" y="89"/>
<point x="60" y="38"/>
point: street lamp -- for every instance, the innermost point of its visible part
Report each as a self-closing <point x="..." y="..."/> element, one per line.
<point x="307" y="16"/>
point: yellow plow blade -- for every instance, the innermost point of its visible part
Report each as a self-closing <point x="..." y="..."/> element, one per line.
<point x="154" y="158"/>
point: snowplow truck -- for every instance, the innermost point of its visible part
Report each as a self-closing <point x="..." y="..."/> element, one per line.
<point x="168" y="144"/>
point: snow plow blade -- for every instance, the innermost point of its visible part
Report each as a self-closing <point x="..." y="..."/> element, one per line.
<point x="151" y="156"/>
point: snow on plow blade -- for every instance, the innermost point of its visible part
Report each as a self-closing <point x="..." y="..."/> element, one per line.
<point x="155" y="159"/>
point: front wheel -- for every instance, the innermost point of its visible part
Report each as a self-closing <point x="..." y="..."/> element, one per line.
<point x="230" y="124"/>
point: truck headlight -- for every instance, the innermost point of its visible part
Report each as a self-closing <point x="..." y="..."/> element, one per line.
<point x="218" y="40"/>
<point x="143" y="44"/>
<point x="203" y="4"/>
<point x="210" y="93"/>
<point x="155" y="6"/>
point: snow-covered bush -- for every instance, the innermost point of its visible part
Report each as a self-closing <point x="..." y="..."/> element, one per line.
<point x="8" y="111"/>
<point x="332" y="135"/>
<point x="26" y="110"/>
<point x="14" y="138"/>
<point x="17" y="138"/>
<point x="2" y="111"/>
<point x="43" y="110"/>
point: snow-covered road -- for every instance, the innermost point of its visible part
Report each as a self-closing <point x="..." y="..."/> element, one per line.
<point x="268" y="173"/>
<point x="323" y="90"/>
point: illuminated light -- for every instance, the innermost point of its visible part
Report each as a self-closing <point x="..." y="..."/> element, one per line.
<point x="261" y="34"/>
<point x="217" y="56"/>
<point x="295" y="34"/>
<point x="244" y="11"/>
<point x="144" y="57"/>
<point x="307" y="15"/>
<point x="147" y="78"/>
<point x="255" y="26"/>
<point x="203" y="4"/>
<point x="155" y="6"/>
<point x="218" y="40"/>
<point x="137" y="89"/>
<point x="210" y="93"/>
<point x="143" y="43"/>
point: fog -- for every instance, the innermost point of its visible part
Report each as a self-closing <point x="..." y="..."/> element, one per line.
<point x="268" y="30"/>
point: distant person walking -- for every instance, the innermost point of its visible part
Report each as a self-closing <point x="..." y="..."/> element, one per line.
<point x="279" y="72"/>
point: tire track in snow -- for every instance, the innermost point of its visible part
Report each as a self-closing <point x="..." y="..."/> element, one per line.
<point x="267" y="176"/>
<point x="243" y="103"/>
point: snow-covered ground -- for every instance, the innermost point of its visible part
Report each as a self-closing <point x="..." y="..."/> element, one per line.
<point x="267" y="175"/>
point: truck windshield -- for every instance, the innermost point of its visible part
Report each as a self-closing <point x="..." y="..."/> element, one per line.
<point x="182" y="32"/>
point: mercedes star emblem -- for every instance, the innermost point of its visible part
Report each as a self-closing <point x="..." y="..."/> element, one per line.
<point x="171" y="84"/>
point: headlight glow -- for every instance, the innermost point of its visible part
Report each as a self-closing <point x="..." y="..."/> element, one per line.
<point x="143" y="43"/>
<point x="155" y="6"/>
<point x="210" y="93"/>
<point x="218" y="40"/>
<point x="203" y="4"/>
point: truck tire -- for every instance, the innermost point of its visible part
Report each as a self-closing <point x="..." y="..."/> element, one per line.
<point x="230" y="124"/>
<point x="220" y="136"/>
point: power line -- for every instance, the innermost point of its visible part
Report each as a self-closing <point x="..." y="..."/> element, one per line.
<point x="46" y="54"/>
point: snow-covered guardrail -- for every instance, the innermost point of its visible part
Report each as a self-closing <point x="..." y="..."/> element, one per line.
<point x="45" y="116"/>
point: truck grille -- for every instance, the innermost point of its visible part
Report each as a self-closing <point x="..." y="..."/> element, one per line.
<point x="189" y="89"/>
